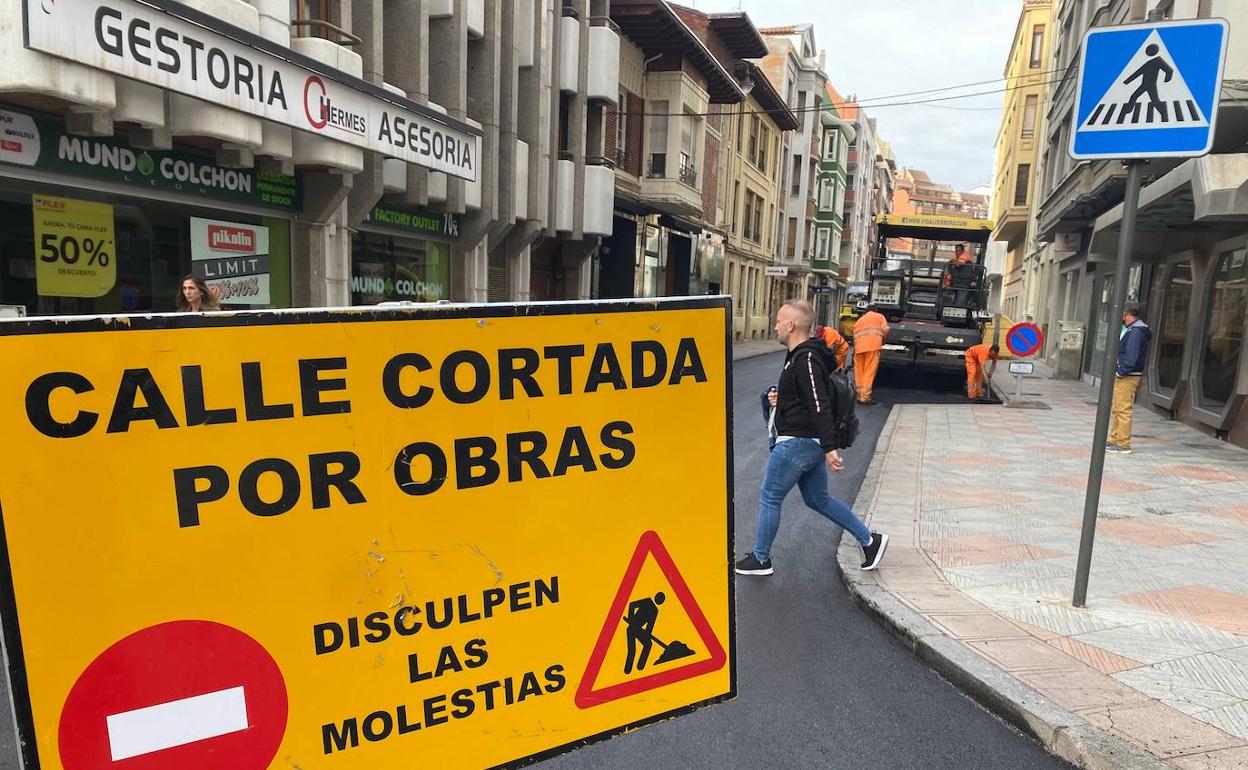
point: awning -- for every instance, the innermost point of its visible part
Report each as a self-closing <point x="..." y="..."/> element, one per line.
<point x="1202" y="196"/>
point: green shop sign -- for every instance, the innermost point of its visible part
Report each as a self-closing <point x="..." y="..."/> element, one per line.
<point x="416" y="222"/>
<point x="44" y="144"/>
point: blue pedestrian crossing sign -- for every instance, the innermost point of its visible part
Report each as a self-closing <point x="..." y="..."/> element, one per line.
<point x="1149" y="90"/>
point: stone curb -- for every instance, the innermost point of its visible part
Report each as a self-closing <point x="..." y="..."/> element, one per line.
<point x="1061" y="732"/>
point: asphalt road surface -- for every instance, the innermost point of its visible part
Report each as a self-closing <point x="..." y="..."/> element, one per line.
<point x="819" y="684"/>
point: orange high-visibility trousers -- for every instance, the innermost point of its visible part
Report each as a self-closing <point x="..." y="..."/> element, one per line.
<point x="974" y="378"/>
<point x="865" y="367"/>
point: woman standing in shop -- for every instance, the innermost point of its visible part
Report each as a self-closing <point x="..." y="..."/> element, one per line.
<point x="195" y="296"/>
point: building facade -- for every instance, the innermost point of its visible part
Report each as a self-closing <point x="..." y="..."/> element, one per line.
<point x="1026" y="74"/>
<point x="1191" y="246"/>
<point x="795" y="68"/>
<point x="749" y="179"/>
<point x="916" y="193"/>
<point x="678" y="74"/>
<point x="827" y="282"/>
<point x="328" y="153"/>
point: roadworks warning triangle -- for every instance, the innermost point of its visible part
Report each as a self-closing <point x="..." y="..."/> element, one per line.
<point x="587" y="693"/>
<point x="1125" y="108"/>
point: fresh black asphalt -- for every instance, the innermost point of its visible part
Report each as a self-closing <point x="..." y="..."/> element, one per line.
<point x="820" y="685"/>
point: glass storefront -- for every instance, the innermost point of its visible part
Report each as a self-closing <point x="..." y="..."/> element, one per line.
<point x="1175" y="308"/>
<point x="68" y="250"/>
<point x="1224" y="328"/>
<point x="396" y="268"/>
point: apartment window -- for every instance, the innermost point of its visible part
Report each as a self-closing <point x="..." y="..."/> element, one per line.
<point x="740" y="125"/>
<point x="771" y="220"/>
<point x="825" y="194"/>
<point x="758" y="218"/>
<point x="621" y="130"/>
<point x="751" y="150"/>
<point x="849" y="182"/>
<point x="1029" y="116"/>
<point x="657" y="113"/>
<point x="796" y="177"/>
<point x="310" y="18"/>
<point x="821" y="244"/>
<point x="762" y="148"/>
<point x="1020" y="184"/>
<point x="749" y="215"/>
<point x="1037" y="45"/>
<point x="736" y="197"/>
<point x="791" y="244"/>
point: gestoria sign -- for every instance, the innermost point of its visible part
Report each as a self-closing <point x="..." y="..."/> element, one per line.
<point x="159" y="44"/>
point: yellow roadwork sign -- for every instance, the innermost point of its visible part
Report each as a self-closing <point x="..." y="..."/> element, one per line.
<point x="463" y="536"/>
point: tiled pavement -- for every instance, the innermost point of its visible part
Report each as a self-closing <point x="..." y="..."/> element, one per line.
<point x="984" y="506"/>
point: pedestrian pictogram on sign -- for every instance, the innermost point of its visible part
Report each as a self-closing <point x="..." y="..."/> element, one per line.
<point x="189" y="694"/>
<point x="633" y="625"/>
<point x="1152" y="74"/>
<point x="1149" y="90"/>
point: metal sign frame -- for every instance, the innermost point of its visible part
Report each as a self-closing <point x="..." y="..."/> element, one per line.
<point x="1118" y="154"/>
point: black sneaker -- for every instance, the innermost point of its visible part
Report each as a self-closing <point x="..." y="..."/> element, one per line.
<point x="873" y="552"/>
<point x="750" y="565"/>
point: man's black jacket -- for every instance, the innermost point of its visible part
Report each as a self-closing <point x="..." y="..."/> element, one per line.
<point x="804" y="408"/>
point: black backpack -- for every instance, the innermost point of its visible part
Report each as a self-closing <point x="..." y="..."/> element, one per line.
<point x="844" y="399"/>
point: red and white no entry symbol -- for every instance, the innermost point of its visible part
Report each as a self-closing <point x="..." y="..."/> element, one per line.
<point x="189" y="694"/>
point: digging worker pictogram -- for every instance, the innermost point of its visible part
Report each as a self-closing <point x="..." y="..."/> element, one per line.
<point x="1148" y="72"/>
<point x="642" y="615"/>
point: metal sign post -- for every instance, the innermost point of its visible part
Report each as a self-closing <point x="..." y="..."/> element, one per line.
<point x="1144" y="91"/>
<point x="1104" y="403"/>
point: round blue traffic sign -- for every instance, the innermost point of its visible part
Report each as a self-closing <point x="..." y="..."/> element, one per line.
<point x="1024" y="339"/>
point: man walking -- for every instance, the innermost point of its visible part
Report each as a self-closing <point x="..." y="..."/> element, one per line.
<point x="805" y="444"/>
<point x="1132" y="352"/>
<point x="869" y="334"/>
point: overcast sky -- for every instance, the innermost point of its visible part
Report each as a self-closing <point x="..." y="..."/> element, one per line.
<point x="877" y="48"/>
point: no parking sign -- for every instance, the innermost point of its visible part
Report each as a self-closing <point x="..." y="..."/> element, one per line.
<point x="1024" y="339"/>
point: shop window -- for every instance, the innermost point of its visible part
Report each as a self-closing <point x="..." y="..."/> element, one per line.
<point x="148" y="247"/>
<point x="1176" y="303"/>
<point x="392" y="268"/>
<point x="1224" y="328"/>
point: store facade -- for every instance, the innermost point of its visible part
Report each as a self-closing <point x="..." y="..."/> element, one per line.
<point x="93" y="225"/>
<point x="402" y="255"/>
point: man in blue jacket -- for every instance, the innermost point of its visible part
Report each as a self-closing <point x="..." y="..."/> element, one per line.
<point x="1132" y="352"/>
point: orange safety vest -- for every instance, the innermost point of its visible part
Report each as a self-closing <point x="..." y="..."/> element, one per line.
<point x="979" y="353"/>
<point x="836" y="343"/>
<point x="869" y="332"/>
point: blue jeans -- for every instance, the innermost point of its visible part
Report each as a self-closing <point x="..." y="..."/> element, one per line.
<point x="799" y="462"/>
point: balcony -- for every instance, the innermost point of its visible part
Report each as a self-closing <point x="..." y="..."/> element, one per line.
<point x="604" y="60"/>
<point x="566" y="196"/>
<point x="1011" y="223"/>
<point x="599" y="200"/>
<point x="570" y="54"/>
<point x="309" y="149"/>
<point x="670" y="186"/>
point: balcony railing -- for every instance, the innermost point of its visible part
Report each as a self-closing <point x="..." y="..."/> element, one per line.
<point x="326" y="29"/>
<point x="621" y="158"/>
<point x="688" y="174"/>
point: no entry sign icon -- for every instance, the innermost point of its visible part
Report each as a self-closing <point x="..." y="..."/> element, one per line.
<point x="189" y="694"/>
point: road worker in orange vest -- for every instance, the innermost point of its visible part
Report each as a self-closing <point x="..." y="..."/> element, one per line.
<point x="836" y="343"/>
<point x="869" y="334"/>
<point x="981" y="364"/>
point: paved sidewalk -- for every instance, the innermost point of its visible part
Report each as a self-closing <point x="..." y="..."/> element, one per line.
<point x="984" y="506"/>
<point x="752" y="348"/>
